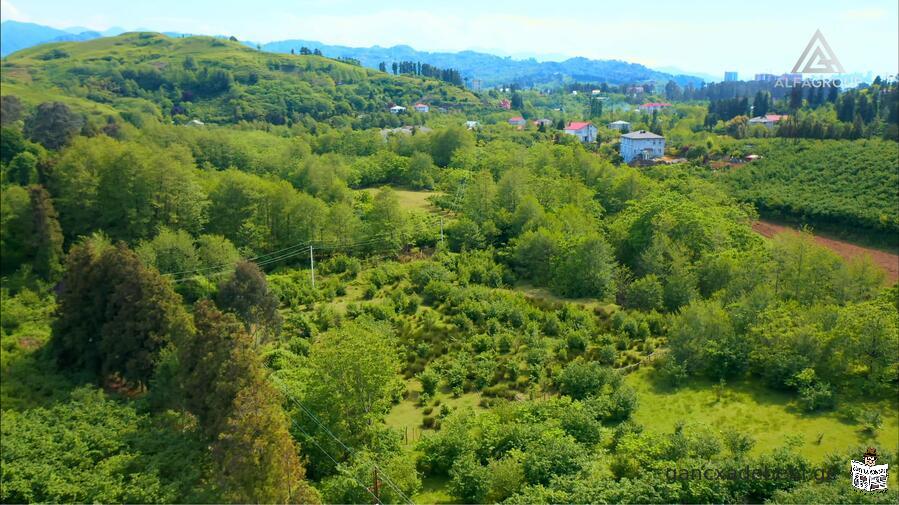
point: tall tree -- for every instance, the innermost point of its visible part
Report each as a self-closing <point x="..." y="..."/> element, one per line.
<point x="46" y="235"/>
<point x="114" y="315"/>
<point x="53" y="124"/>
<point x="223" y="383"/>
<point x="246" y="294"/>
<point x="350" y="383"/>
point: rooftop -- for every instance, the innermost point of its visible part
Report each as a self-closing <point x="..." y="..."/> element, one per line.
<point x="577" y="125"/>
<point x="642" y="134"/>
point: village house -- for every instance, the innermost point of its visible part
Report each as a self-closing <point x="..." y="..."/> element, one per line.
<point x="421" y="107"/>
<point x="634" y="90"/>
<point x="546" y="123"/>
<point x="396" y="109"/>
<point x="471" y="125"/>
<point x="585" y="131"/>
<point x="641" y="145"/>
<point x="517" y="121"/>
<point x="768" y="120"/>
<point x="622" y="126"/>
<point x="653" y="106"/>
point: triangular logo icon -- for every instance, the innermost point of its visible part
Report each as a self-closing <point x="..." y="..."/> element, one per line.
<point x="818" y="58"/>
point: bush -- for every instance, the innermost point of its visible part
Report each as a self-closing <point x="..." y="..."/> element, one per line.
<point x="554" y="453"/>
<point x="469" y="480"/>
<point x="580" y="380"/>
<point x="645" y="294"/>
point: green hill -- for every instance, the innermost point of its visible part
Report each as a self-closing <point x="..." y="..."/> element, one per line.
<point x="213" y="80"/>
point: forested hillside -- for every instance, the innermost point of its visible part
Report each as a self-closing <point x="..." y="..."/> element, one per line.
<point x="290" y="301"/>
<point x="148" y="75"/>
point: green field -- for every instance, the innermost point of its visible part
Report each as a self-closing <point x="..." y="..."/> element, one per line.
<point x="410" y="199"/>
<point x="770" y="417"/>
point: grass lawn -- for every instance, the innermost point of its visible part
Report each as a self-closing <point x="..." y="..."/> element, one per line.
<point x="406" y="416"/>
<point x="414" y="200"/>
<point x="433" y="490"/>
<point x="769" y="416"/>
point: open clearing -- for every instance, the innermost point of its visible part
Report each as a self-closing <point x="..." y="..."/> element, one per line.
<point x="771" y="417"/>
<point x="409" y="199"/>
<point x="888" y="261"/>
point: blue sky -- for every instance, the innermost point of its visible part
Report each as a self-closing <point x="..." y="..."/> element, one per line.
<point x="695" y="35"/>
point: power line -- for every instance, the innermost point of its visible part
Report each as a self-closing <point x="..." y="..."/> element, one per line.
<point x="346" y="448"/>
<point x="336" y="464"/>
<point x="297" y="249"/>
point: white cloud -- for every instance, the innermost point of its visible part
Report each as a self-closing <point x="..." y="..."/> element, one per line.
<point x="8" y="11"/>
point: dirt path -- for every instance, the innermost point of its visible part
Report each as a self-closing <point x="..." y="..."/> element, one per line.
<point x="888" y="261"/>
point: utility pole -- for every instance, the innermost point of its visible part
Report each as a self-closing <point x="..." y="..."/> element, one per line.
<point x="312" y="266"/>
<point x="441" y="228"/>
<point x="376" y="487"/>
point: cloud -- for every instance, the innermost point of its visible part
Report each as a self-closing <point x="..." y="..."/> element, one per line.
<point x="9" y="11"/>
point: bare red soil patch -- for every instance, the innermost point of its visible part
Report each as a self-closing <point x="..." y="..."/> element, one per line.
<point x="888" y="261"/>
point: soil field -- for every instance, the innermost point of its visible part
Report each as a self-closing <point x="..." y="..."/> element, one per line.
<point x="888" y="261"/>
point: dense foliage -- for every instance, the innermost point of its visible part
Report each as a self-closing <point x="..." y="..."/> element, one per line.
<point x="847" y="185"/>
<point x="241" y="311"/>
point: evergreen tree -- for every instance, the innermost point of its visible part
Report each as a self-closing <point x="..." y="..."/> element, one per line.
<point x="114" y="315"/>
<point x="46" y="235"/>
<point x="223" y="383"/>
<point x="53" y="124"/>
<point x="246" y="294"/>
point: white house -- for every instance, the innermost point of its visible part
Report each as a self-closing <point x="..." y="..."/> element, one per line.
<point x="422" y="107"/>
<point x="768" y="120"/>
<point x="642" y="145"/>
<point x="546" y="123"/>
<point x="653" y="106"/>
<point x="517" y="121"/>
<point x="622" y="126"/>
<point x="585" y="131"/>
<point x="471" y="125"/>
<point x="396" y="109"/>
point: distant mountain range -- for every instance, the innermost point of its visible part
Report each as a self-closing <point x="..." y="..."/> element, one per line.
<point x="489" y="69"/>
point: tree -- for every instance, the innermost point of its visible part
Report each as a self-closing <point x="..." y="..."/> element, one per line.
<point x="126" y="189"/>
<point x="114" y="315"/>
<point x="256" y="456"/>
<point x="387" y="221"/>
<point x="247" y="295"/>
<point x="22" y="169"/>
<point x="645" y="293"/>
<point x="702" y="337"/>
<point x="517" y="101"/>
<point x="585" y="267"/>
<point x="53" y="125"/>
<point x="11" y="109"/>
<point x="582" y="380"/>
<point x="470" y="480"/>
<point x="15" y="226"/>
<point x="45" y="243"/>
<point x="222" y="382"/>
<point x="350" y="382"/>
<point x="445" y="142"/>
<point x="170" y="252"/>
<point x="553" y="453"/>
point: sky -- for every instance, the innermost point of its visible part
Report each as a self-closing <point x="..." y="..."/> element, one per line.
<point x="708" y="36"/>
